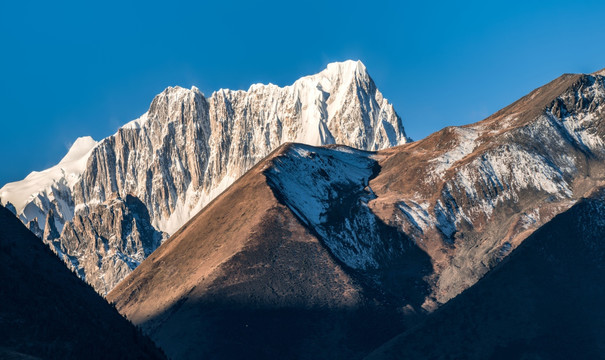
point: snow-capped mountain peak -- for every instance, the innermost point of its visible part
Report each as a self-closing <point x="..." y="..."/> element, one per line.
<point x="335" y="72"/>
<point x="34" y="196"/>
<point x="188" y="148"/>
<point x="77" y="152"/>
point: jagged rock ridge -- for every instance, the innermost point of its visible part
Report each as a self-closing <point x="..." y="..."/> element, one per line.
<point x="105" y="242"/>
<point x="188" y="148"/>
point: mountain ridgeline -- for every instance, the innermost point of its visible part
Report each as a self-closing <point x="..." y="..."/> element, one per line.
<point x="395" y="234"/>
<point x="180" y="154"/>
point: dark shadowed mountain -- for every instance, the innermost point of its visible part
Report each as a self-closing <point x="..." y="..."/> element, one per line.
<point x="545" y="301"/>
<point x="47" y="312"/>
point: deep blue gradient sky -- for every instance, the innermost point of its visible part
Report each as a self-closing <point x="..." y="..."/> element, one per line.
<point x="71" y="69"/>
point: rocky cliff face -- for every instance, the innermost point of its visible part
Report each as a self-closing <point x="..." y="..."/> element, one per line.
<point x="103" y="243"/>
<point x="188" y="148"/>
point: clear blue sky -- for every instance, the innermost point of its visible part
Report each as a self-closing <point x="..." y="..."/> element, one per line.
<point x="71" y="69"/>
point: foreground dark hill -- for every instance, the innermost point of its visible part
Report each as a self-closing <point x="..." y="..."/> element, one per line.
<point x="47" y="312"/>
<point x="544" y="302"/>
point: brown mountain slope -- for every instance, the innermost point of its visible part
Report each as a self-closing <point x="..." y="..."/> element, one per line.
<point x="47" y="312"/>
<point x="470" y="195"/>
<point x="543" y="302"/>
<point x="245" y="279"/>
<point x="308" y="253"/>
<point x="466" y="196"/>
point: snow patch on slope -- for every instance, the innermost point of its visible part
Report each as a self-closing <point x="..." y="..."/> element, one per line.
<point x="328" y="190"/>
<point x="499" y="175"/>
<point x="136" y="123"/>
<point x="465" y="145"/>
<point x="417" y="214"/>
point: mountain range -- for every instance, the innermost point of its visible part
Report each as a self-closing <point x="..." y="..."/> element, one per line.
<point x="411" y="227"/>
<point x="107" y="205"/>
<point x="301" y="222"/>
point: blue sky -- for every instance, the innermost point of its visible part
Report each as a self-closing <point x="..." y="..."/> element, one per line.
<point x="71" y="69"/>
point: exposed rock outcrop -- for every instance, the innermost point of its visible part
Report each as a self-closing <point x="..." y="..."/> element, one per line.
<point x="50" y="230"/>
<point x="103" y="243"/>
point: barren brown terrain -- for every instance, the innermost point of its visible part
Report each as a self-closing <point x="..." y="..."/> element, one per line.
<point x="536" y="126"/>
<point x="244" y="279"/>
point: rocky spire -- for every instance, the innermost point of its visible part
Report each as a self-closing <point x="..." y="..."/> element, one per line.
<point x="50" y="230"/>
